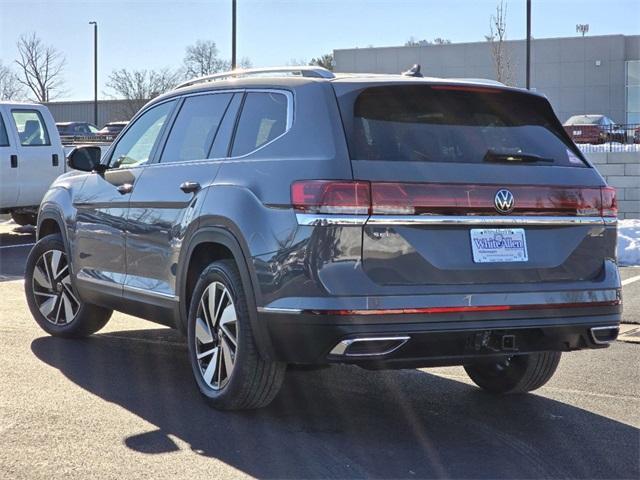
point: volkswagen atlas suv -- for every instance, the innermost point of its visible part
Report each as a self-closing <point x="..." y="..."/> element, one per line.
<point x="294" y="216"/>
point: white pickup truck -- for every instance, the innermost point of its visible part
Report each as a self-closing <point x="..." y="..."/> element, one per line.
<point x="31" y="158"/>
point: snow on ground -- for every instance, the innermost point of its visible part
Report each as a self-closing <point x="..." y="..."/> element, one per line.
<point x="629" y="242"/>
<point x="609" y="147"/>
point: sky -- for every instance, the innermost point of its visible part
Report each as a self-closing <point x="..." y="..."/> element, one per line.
<point x="152" y="34"/>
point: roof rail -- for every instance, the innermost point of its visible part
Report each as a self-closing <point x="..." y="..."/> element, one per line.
<point x="302" y="71"/>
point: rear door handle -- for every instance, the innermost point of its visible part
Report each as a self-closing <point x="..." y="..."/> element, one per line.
<point x="125" y="188"/>
<point x="54" y="160"/>
<point x="14" y="161"/>
<point x="190" y="187"/>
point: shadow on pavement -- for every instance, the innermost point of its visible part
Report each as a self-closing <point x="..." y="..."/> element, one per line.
<point x="344" y="421"/>
<point x="15" y="245"/>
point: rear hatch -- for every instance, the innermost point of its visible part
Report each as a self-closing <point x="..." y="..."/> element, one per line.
<point x="472" y="185"/>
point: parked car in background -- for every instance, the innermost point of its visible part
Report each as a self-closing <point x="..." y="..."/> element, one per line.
<point x="76" y="129"/>
<point x="297" y="216"/>
<point x="111" y="130"/>
<point x="31" y="157"/>
<point x="594" y="129"/>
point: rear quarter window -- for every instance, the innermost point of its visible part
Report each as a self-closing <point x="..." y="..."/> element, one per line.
<point x="263" y="119"/>
<point x="454" y="124"/>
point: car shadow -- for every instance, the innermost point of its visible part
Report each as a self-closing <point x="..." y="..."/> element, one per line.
<point x="343" y="421"/>
<point x="15" y="245"/>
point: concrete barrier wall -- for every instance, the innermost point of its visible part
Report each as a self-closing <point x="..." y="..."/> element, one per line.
<point x="622" y="171"/>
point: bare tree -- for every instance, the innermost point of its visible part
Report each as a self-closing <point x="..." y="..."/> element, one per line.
<point x="297" y="62"/>
<point x="413" y="42"/>
<point x="327" y="61"/>
<point x="10" y="86"/>
<point x="40" y="67"/>
<point x="202" y="58"/>
<point x="139" y="86"/>
<point x="499" y="49"/>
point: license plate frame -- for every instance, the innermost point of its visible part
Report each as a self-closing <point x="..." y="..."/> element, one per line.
<point x="499" y="245"/>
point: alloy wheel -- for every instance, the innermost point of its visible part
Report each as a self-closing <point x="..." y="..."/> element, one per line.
<point x="52" y="288"/>
<point x="216" y="333"/>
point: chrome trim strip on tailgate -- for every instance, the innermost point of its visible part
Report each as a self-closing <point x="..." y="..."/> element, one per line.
<point x="337" y="219"/>
<point x="483" y="220"/>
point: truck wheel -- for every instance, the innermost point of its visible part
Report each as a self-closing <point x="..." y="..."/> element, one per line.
<point x="53" y="301"/>
<point x="516" y="374"/>
<point x="227" y="367"/>
<point x="24" y="218"/>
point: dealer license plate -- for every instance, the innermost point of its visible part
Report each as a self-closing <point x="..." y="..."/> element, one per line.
<point x="499" y="245"/>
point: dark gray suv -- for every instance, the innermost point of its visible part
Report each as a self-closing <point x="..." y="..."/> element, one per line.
<point x="293" y="216"/>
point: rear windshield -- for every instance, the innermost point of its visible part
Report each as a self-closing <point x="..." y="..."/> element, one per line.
<point x="456" y="124"/>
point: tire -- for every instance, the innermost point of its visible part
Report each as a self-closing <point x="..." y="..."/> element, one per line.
<point x="24" y="218"/>
<point x="230" y="373"/>
<point x="516" y="374"/>
<point x="52" y="300"/>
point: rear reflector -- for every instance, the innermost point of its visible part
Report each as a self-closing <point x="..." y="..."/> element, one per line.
<point x="404" y="198"/>
<point x="479" y="308"/>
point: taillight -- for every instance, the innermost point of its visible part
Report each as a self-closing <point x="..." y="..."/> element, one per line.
<point x="609" y="205"/>
<point x="328" y="196"/>
<point x="403" y="198"/>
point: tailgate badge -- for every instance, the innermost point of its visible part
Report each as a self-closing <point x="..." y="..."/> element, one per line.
<point x="504" y="201"/>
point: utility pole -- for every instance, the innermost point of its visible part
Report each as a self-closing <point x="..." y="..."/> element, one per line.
<point x="233" y="34"/>
<point x="95" y="72"/>
<point x="528" y="44"/>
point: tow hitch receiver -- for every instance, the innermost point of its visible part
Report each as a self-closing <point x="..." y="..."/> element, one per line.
<point x="494" y="342"/>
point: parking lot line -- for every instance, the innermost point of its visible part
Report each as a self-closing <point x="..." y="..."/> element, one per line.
<point x="630" y="280"/>
<point x="17" y="246"/>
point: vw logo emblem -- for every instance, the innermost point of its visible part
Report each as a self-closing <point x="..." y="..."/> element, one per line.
<point x="504" y="201"/>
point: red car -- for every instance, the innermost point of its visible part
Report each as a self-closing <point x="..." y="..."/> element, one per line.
<point x="593" y="129"/>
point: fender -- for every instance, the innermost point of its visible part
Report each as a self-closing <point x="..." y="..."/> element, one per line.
<point x="239" y="249"/>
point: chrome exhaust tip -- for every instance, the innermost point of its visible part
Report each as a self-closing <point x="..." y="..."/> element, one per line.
<point x="604" y="335"/>
<point x="369" y="346"/>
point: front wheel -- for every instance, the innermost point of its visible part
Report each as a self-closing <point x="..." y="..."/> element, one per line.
<point x="53" y="301"/>
<point x="515" y="374"/>
<point x="227" y="367"/>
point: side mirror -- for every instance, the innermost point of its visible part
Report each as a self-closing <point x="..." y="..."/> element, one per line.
<point x="85" y="159"/>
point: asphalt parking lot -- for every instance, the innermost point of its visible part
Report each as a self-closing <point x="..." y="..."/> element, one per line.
<point x="122" y="404"/>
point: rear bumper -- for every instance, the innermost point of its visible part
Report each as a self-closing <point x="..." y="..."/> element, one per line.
<point x="433" y="340"/>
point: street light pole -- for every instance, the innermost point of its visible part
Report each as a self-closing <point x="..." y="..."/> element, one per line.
<point x="95" y="72"/>
<point x="233" y="34"/>
<point x="528" y="44"/>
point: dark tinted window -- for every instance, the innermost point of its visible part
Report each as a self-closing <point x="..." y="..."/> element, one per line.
<point x="4" y="139"/>
<point x="449" y="124"/>
<point x="263" y="118"/>
<point x="195" y="127"/>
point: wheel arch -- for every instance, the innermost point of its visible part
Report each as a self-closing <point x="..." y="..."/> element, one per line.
<point x="211" y="243"/>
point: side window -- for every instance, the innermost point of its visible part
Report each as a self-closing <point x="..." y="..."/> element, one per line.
<point x="263" y="118"/>
<point x="195" y="128"/>
<point x="135" y="147"/>
<point x="4" y="139"/>
<point x="31" y="128"/>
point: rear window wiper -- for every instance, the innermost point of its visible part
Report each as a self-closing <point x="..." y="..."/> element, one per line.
<point x="513" y="156"/>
